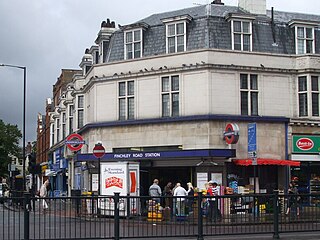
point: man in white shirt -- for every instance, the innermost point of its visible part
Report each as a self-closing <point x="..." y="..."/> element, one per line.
<point x="180" y="192"/>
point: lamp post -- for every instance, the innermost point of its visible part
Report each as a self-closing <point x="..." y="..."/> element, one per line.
<point x="24" y="120"/>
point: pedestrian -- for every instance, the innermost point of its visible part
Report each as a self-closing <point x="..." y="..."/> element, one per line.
<point x="214" y="213"/>
<point x="190" y="192"/>
<point x="44" y="194"/>
<point x="167" y="193"/>
<point x="293" y="199"/>
<point x="180" y="193"/>
<point x="155" y="191"/>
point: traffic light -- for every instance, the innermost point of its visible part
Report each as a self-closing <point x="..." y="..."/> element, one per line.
<point x="32" y="159"/>
<point x="33" y="168"/>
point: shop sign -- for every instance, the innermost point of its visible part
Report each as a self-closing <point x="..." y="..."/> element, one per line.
<point x="231" y="133"/>
<point x="305" y="144"/>
<point x="222" y="153"/>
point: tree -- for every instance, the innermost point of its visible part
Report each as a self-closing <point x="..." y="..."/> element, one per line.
<point x="9" y="145"/>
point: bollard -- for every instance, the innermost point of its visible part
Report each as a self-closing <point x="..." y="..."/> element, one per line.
<point x="128" y="205"/>
<point x="276" y="215"/>
<point x="200" y="220"/>
<point x="26" y="204"/>
<point x="116" y="216"/>
<point x="92" y="205"/>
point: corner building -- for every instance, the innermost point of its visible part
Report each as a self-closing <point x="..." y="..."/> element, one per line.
<point x="162" y="90"/>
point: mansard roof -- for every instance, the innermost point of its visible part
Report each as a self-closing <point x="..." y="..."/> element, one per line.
<point x="210" y="28"/>
<point x="221" y="11"/>
<point x="286" y="17"/>
<point x="195" y="12"/>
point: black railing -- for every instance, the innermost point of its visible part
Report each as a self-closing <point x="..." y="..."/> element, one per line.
<point x="117" y="217"/>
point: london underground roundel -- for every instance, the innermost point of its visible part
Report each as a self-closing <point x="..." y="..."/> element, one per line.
<point x="74" y="142"/>
<point x="231" y="133"/>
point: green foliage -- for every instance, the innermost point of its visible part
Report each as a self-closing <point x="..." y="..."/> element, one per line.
<point x="9" y="145"/>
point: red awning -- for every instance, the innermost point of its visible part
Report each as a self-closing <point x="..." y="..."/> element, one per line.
<point x="263" y="161"/>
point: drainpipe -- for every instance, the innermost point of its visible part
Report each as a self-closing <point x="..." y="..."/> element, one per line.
<point x="287" y="153"/>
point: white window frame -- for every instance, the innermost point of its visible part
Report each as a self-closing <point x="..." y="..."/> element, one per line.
<point x="170" y="92"/>
<point x="101" y="53"/>
<point x="241" y="33"/>
<point x="70" y="120"/>
<point x="80" y="109"/>
<point x="176" y="35"/>
<point x="53" y="134"/>
<point x="133" y="43"/>
<point x="304" y="39"/>
<point x="64" y="130"/>
<point x="317" y="92"/>
<point x="58" y="130"/>
<point x="309" y="91"/>
<point x="249" y="91"/>
<point x="126" y="97"/>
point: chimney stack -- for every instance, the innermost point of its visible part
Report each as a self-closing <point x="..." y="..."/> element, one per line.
<point x="254" y="6"/>
<point x="217" y="2"/>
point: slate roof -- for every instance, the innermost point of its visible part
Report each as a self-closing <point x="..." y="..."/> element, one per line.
<point x="288" y="16"/>
<point x="222" y="11"/>
<point x="215" y="32"/>
<point x="194" y="12"/>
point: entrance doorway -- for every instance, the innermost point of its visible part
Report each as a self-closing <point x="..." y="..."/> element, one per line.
<point x="165" y="175"/>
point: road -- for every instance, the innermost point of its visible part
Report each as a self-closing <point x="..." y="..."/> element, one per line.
<point x="62" y="222"/>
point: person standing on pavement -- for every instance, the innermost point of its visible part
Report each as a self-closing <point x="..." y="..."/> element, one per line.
<point x="44" y="194"/>
<point x="190" y="196"/>
<point x="167" y="192"/>
<point x="293" y="199"/>
<point x="155" y="191"/>
<point x="181" y="193"/>
<point x="214" y="213"/>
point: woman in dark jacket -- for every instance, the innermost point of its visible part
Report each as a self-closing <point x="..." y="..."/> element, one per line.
<point x="292" y="198"/>
<point x="167" y="192"/>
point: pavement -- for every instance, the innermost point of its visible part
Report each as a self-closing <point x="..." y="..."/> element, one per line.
<point x="283" y="236"/>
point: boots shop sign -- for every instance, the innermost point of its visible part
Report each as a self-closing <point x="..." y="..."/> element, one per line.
<point x="306" y="144"/>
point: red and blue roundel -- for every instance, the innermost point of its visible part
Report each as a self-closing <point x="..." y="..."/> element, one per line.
<point x="231" y="133"/>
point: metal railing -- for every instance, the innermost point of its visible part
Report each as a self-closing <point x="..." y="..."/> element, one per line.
<point x="117" y="217"/>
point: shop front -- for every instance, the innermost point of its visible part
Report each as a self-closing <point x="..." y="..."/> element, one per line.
<point x="306" y="149"/>
<point x="57" y="173"/>
<point x="195" y="166"/>
<point x="266" y="172"/>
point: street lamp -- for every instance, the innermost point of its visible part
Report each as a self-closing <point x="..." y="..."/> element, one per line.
<point x="24" y="120"/>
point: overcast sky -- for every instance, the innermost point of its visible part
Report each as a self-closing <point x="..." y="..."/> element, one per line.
<point x="49" y="35"/>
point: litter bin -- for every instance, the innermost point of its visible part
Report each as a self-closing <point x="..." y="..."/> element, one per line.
<point x="76" y="199"/>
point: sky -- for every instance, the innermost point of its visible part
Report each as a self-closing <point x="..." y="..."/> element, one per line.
<point x="46" y="36"/>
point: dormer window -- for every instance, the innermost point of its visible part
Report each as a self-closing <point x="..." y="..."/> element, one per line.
<point x="241" y="35"/>
<point x="241" y="31"/>
<point x="304" y="35"/>
<point x="176" y="33"/>
<point x="133" y="44"/>
<point x="304" y="40"/>
<point x="176" y="37"/>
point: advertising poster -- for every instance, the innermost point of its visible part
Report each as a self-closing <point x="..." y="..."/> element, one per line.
<point x="113" y="179"/>
<point x="216" y="177"/>
<point x="202" y="179"/>
<point x="94" y="185"/>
